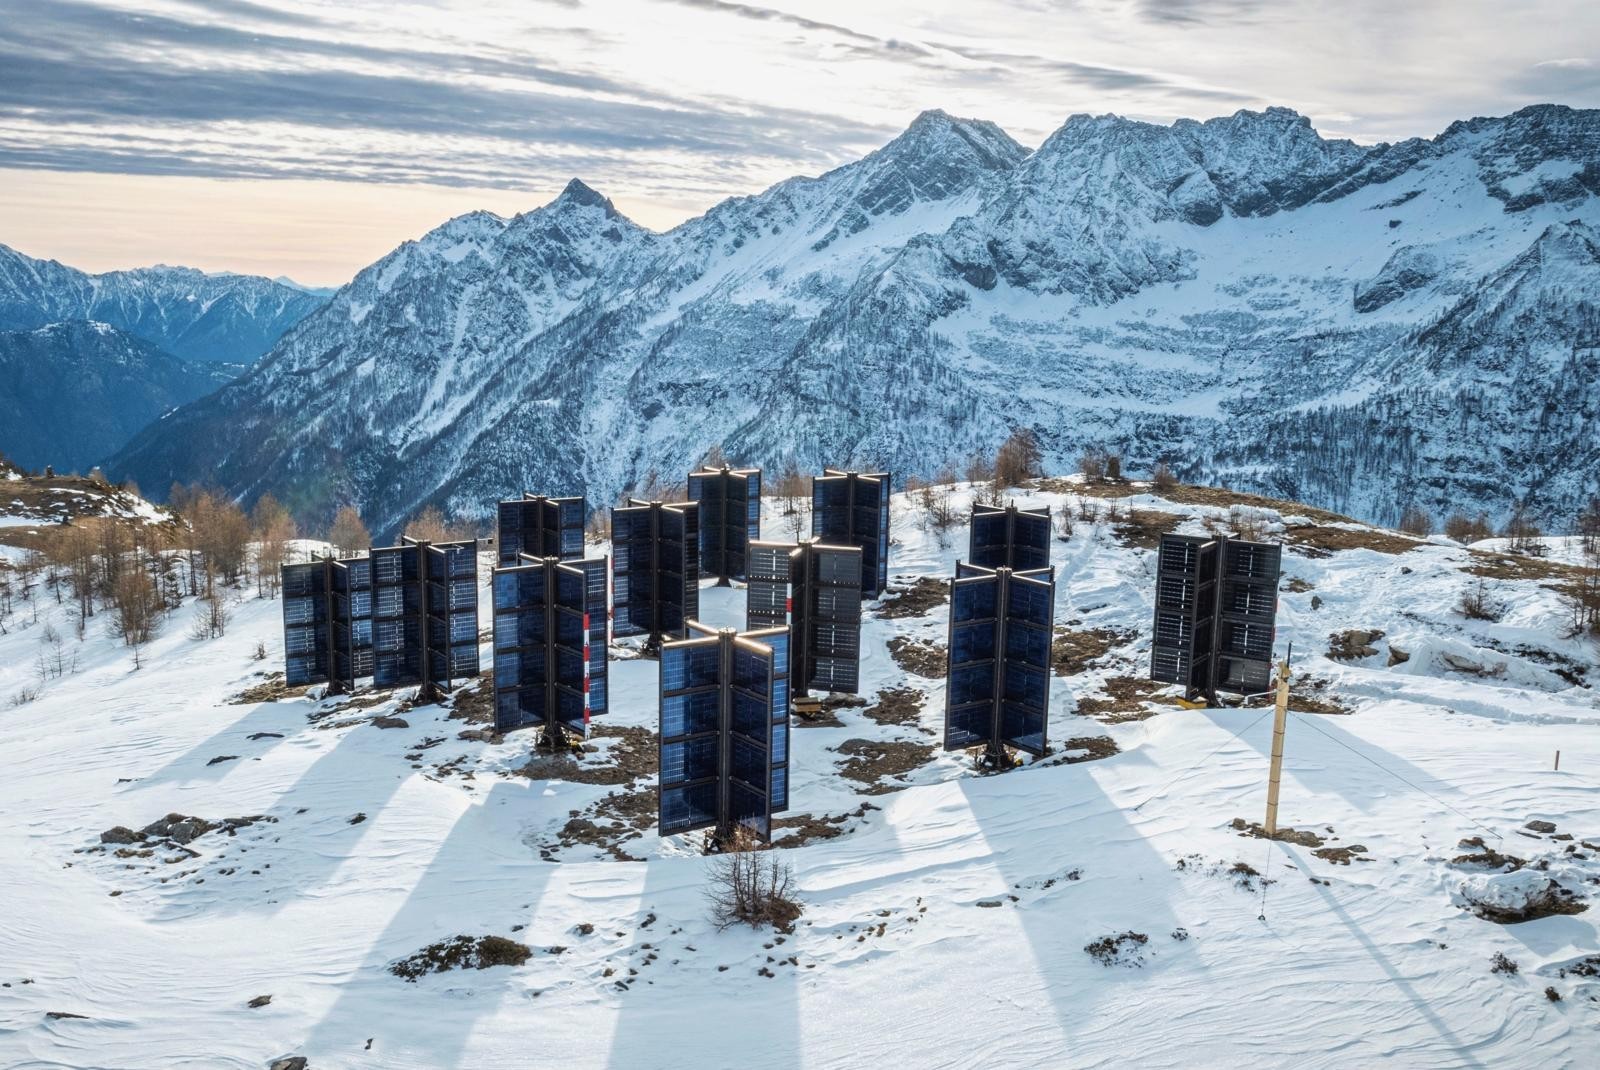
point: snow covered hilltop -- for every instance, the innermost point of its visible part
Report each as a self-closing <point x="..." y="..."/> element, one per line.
<point x="1360" y="327"/>
<point x="201" y="867"/>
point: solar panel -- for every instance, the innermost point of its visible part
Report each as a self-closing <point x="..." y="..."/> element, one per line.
<point x="550" y="646"/>
<point x="655" y="567"/>
<point x="813" y="590"/>
<point x="306" y="623"/>
<point x="1216" y="607"/>
<point x="852" y="509"/>
<point x="998" y="688"/>
<point x="729" y="518"/>
<point x="724" y="731"/>
<point x="1009" y="537"/>
<point x="541" y="527"/>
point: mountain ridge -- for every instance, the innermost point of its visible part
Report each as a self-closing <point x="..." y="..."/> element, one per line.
<point x="1204" y="294"/>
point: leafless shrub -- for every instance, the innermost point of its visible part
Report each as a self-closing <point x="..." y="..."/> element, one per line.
<point x="1163" y="477"/>
<point x="25" y="696"/>
<point x="980" y="468"/>
<point x="750" y="884"/>
<point x="1478" y="604"/>
<point x="1064" y="524"/>
<point x="1114" y="466"/>
<point x="1093" y="464"/>
<point x="1463" y="528"/>
<point x="1523" y="534"/>
<point x="349" y="535"/>
<point x="1019" y="459"/>
<point x="1416" y="521"/>
<point x="211" y="616"/>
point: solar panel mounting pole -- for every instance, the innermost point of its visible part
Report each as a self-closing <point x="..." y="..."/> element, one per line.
<point x="994" y="755"/>
<point x="1280" y="721"/>
<point x="428" y="691"/>
<point x="335" y="685"/>
<point x="653" y="643"/>
<point x="724" y="829"/>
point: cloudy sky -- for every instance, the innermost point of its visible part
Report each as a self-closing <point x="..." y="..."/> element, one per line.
<point x="308" y="137"/>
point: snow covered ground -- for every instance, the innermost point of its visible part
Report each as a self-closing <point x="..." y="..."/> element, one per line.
<point x="945" y="925"/>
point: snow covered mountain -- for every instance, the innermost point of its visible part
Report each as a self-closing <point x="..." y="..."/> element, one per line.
<point x="73" y="392"/>
<point x="223" y="318"/>
<point x="1360" y="327"/>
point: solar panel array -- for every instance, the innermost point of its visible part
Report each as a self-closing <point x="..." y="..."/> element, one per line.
<point x="1009" y="537"/>
<point x="550" y="645"/>
<point x="403" y="614"/>
<point x="724" y="731"/>
<point x="730" y="516"/>
<point x="655" y="567"/>
<point x="852" y="509"/>
<point x="998" y="688"/>
<point x="813" y="590"/>
<point x="541" y="527"/>
<point x="1215" y="615"/>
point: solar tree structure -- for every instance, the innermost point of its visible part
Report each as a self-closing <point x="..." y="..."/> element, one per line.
<point x="1216" y="612"/>
<point x="550" y="647"/>
<point x="998" y="691"/>
<point x="852" y="509"/>
<point x="730" y="516"/>
<point x="1009" y="537"/>
<point x="402" y="614"/>
<point x="724" y="731"/>
<point x="541" y="527"/>
<point x="814" y="590"/>
<point x="655" y="568"/>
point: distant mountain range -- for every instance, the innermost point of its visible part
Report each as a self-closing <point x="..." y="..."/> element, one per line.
<point x="88" y="360"/>
<point x="221" y="318"/>
<point x="1364" y="327"/>
<point x="71" y="393"/>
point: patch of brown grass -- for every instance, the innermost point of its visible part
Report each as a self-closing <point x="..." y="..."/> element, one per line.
<point x="272" y="689"/>
<point x="922" y="597"/>
<point x="475" y="706"/>
<point x="462" y="953"/>
<point x="875" y="763"/>
<point x="1142" y="529"/>
<point x="1126" y="698"/>
<point x="920" y="657"/>
<point x="801" y="829"/>
<point x="1074" y="652"/>
<point x="1315" y="540"/>
<point x="897" y="706"/>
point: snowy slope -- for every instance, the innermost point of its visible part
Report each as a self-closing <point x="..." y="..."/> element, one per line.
<point x="1241" y="298"/>
<point x="944" y="926"/>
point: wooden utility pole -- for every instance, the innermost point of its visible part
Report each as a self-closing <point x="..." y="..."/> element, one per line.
<point x="1280" y="721"/>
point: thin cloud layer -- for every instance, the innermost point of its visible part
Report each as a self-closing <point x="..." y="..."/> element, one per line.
<point x="670" y="105"/>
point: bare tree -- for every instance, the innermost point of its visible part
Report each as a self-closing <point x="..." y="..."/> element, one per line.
<point x="1523" y="534"/>
<point x="748" y="883"/>
<point x="1163" y="477"/>
<point x="222" y="536"/>
<point x="1465" y="529"/>
<point x="349" y="535"/>
<point x="1064" y="524"/>
<point x="1093" y="464"/>
<point x="980" y="468"/>
<point x="794" y="491"/>
<point x="1416" y="521"/>
<point x="429" y="526"/>
<point x="274" y="529"/>
<point x="1019" y="459"/>
<point x="211" y="616"/>
<point x="136" y="609"/>
<point x="1477" y="602"/>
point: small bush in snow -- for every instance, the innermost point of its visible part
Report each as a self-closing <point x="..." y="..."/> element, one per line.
<point x="751" y="884"/>
<point x="1501" y="964"/>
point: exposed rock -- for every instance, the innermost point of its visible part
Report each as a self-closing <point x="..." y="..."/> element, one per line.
<point x="391" y="722"/>
<point x="120" y="834"/>
<point x="259" y="1001"/>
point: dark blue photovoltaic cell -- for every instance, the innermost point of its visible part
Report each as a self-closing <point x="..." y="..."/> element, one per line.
<point x="973" y="599"/>
<point x="690" y="712"/>
<point x="852" y="509"/>
<point x="540" y="527"/>
<point x="998" y="686"/>
<point x="1009" y="538"/>
<point x="729" y="503"/>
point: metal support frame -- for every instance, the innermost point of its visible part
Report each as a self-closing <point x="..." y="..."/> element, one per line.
<point x="850" y="536"/>
<point x="1280" y="722"/>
